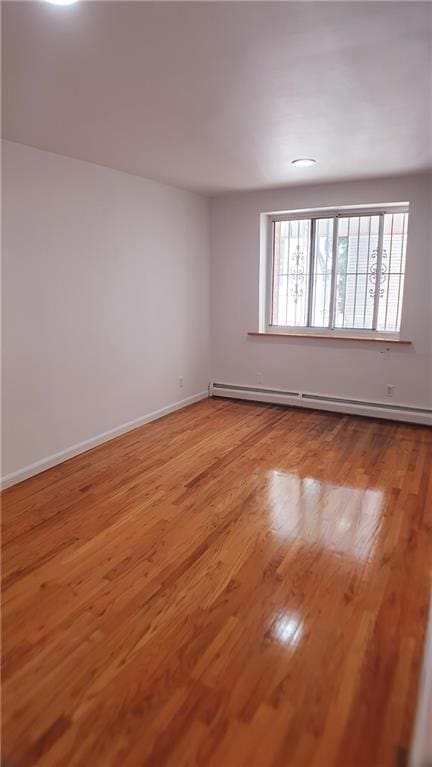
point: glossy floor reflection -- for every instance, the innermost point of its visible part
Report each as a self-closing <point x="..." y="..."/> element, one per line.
<point x="234" y="585"/>
<point x="326" y="515"/>
<point x="288" y="629"/>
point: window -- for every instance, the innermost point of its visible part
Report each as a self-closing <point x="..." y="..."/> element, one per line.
<point x="338" y="271"/>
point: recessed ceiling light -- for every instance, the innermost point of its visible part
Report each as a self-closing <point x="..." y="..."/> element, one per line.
<point x="62" y="2"/>
<point x="304" y="162"/>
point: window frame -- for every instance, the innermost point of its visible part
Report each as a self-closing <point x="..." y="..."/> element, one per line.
<point x="315" y="215"/>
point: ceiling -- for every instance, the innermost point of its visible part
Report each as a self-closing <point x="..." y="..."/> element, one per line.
<point x="219" y="96"/>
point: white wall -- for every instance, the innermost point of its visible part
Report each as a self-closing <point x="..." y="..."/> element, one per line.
<point x="105" y="300"/>
<point x="338" y="368"/>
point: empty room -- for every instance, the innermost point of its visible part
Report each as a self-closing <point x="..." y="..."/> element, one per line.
<point x="216" y="403"/>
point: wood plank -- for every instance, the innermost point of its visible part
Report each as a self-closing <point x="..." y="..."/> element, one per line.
<point x="235" y="584"/>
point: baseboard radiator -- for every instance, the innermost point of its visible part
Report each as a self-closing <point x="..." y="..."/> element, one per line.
<point x="392" y="411"/>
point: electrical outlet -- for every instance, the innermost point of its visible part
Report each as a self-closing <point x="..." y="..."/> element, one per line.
<point x="181" y="382"/>
<point x="259" y="378"/>
<point x="389" y="390"/>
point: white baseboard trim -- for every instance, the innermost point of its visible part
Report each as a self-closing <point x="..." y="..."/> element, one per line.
<point x="81" y="447"/>
<point x="393" y="411"/>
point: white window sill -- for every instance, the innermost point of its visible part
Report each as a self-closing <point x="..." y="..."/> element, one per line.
<point x="382" y="338"/>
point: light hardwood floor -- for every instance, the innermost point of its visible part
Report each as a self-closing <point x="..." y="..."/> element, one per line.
<point x="234" y="585"/>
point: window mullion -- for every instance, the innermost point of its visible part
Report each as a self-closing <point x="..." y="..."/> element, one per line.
<point x="333" y="274"/>
<point x="271" y="274"/>
<point x="312" y="246"/>
<point x="378" y="272"/>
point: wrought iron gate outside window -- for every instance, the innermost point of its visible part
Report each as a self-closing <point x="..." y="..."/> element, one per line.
<point x="340" y="271"/>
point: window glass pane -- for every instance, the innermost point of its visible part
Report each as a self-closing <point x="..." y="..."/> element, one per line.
<point x="392" y="271"/>
<point x="291" y="261"/>
<point x="357" y="252"/>
<point x="305" y="279"/>
<point x="322" y="272"/>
